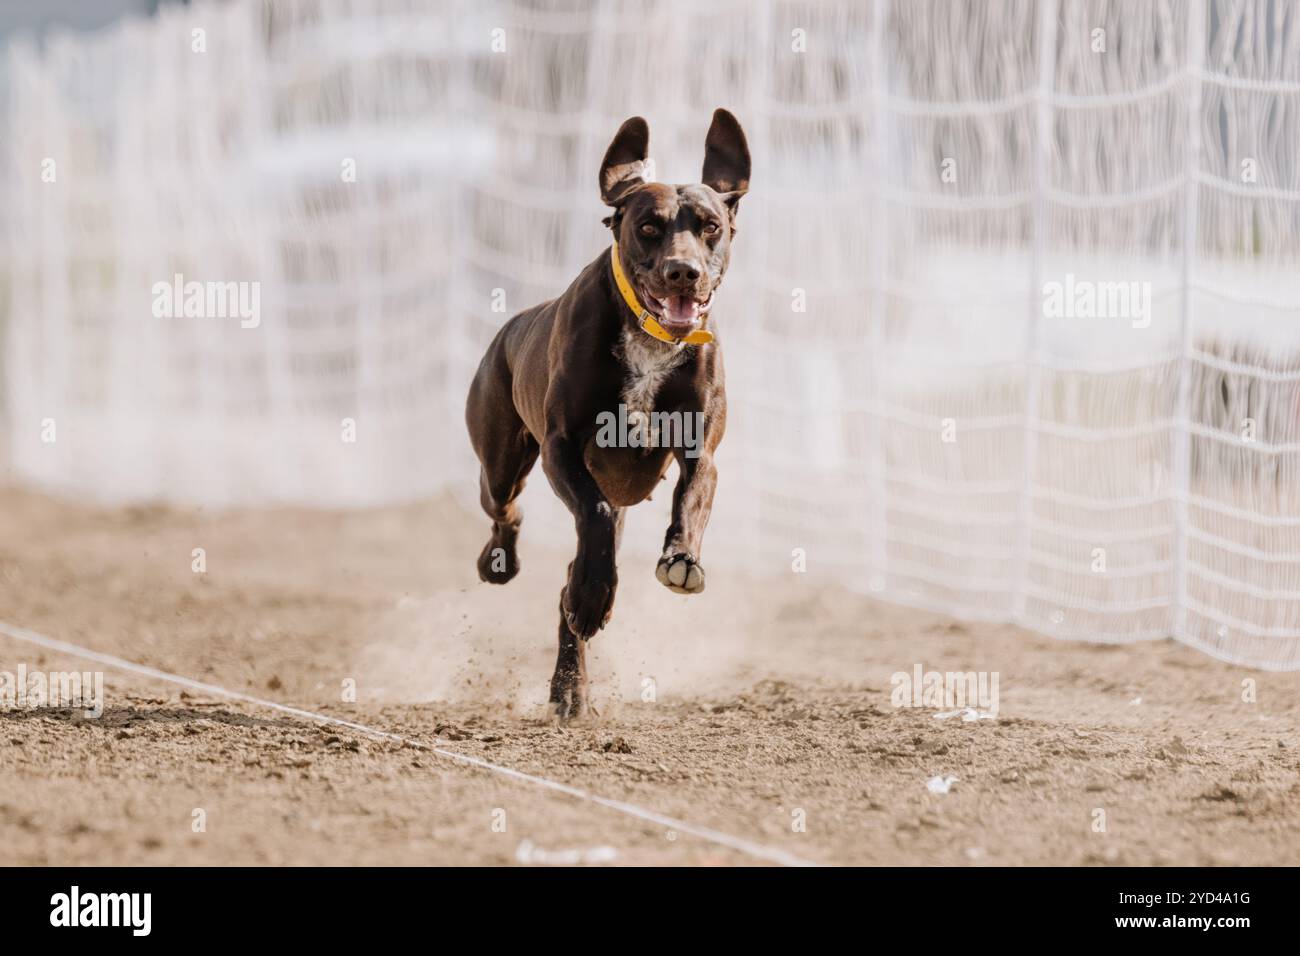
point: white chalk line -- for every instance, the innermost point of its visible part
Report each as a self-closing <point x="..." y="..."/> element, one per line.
<point x="756" y="850"/>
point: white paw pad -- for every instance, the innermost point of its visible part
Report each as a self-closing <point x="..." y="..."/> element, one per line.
<point x="680" y="574"/>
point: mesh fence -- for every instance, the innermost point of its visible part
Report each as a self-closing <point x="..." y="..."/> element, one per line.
<point x="1011" y="327"/>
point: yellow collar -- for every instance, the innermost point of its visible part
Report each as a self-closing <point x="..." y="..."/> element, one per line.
<point x="648" y="323"/>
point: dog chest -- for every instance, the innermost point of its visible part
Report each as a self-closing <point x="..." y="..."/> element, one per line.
<point x="628" y="471"/>
<point x="646" y="365"/>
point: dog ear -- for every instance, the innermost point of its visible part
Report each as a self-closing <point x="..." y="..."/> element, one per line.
<point x="726" y="158"/>
<point x="624" y="165"/>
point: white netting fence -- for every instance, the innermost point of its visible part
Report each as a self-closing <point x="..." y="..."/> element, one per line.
<point x="1011" y="328"/>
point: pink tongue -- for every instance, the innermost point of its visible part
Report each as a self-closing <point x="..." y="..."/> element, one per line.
<point x="680" y="309"/>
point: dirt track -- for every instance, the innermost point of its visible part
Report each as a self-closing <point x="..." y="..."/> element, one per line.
<point x="772" y="704"/>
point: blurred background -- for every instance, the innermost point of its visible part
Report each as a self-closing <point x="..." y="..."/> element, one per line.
<point x="399" y="176"/>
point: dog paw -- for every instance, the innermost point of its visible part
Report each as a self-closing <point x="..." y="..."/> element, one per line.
<point x="497" y="564"/>
<point x="569" y="703"/>
<point x="680" y="573"/>
<point x="587" y="607"/>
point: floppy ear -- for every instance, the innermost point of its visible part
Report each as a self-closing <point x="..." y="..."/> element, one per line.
<point x="726" y="158"/>
<point x="624" y="163"/>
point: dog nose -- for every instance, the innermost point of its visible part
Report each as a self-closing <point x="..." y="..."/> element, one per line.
<point x="680" y="272"/>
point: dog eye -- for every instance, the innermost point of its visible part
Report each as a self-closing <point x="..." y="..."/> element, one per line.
<point x="649" y="230"/>
<point x="711" y="228"/>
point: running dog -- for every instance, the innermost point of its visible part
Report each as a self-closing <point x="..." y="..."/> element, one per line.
<point x="632" y="330"/>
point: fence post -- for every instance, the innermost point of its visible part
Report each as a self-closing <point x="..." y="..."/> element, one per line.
<point x="1191" y="197"/>
<point x="1046" y="33"/>
<point x="877" y="578"/>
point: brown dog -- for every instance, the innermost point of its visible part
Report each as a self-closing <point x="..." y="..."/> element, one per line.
<point x="626" y="342"/>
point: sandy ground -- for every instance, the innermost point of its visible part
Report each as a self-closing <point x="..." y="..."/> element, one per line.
<point x="760" y="709"/>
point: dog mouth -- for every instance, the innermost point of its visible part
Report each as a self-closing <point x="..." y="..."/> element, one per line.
<point x="678" y="313"/>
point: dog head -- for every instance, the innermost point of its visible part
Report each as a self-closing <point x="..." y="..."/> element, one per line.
<point x="675" y="241"/>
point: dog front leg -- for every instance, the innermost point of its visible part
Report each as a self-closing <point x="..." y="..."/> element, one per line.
<point x="569" y="682"/>
<point x="679" y="567"/>
<point x="588" y="596"/>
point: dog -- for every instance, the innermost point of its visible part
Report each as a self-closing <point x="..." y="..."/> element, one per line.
<point x="632" y="330"/>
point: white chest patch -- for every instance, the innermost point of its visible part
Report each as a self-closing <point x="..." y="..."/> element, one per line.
<point x="646" y="363"/>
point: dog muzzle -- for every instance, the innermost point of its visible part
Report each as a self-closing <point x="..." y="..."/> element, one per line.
<point x="645" y="318"/>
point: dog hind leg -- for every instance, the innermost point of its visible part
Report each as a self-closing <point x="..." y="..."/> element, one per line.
<point x="506" y="453"/>
<point x="500" y="482"/>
